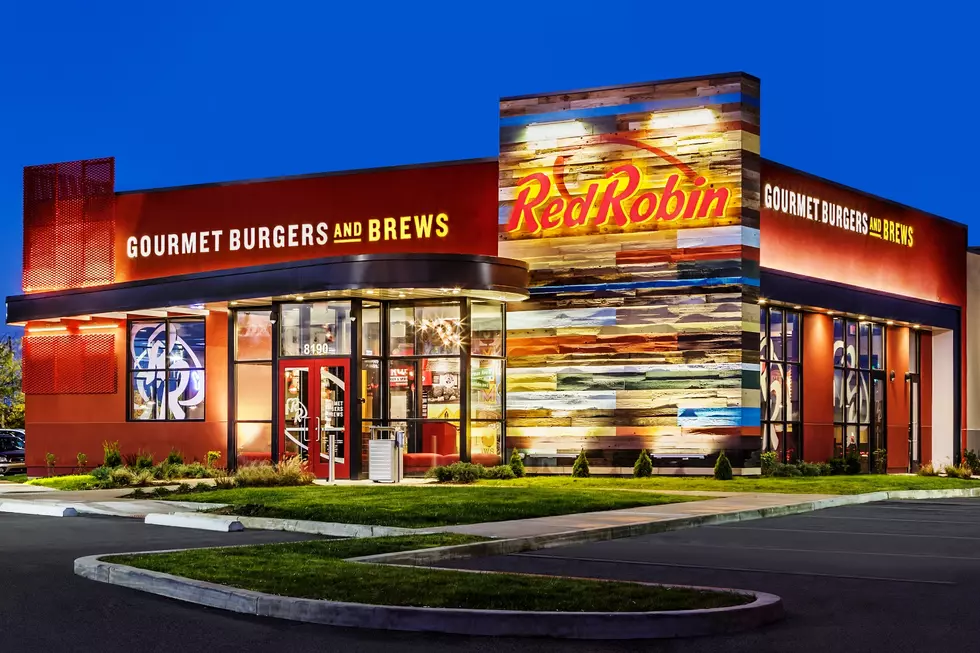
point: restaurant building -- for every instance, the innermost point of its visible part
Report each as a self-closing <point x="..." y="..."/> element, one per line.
<point x="627" y="274"/>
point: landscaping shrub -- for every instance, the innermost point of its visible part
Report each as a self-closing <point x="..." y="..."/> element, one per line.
<point x="881" y="461"/>
<point x="144" y="460"/>
<point x="958" y="471"/>
<point x="291" y="471"/>
<point x="442" y="474"/>
<point x="174" y="457"/>
<point x="517" y="464"/>
<point x="499" y="473"/>
<point x="928" y="470"/>
<point x="782" y="470"/>
<point x="121" y="477"/>
<point x="808" y="469"/>
<point x="138" y="493"/>
<point x="184" y="488"/>
<point x="825" y="469"/>
<point x="852" y="464"/>
<point x="82" y="462"/>
<point x="224" y="483"/>
<point x="836" y="466"/>
<point x="465" y="472"/>
<point x="102" y="474"/>
<point x="211" y="458"/>
<point x="972" y="460"/>
<point x="769" y="462"/>
<point x="110" y="454"/>
<point x="643" y="468"/>
<point x="50" y="461"/>
<point x="723" y="468"/>
<point x="580" y="468"/>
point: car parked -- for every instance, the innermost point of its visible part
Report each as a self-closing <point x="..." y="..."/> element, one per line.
<point x="12" y="452"/>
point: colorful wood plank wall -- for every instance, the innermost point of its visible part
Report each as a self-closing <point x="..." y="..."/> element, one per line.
<point x="642" y="326"/>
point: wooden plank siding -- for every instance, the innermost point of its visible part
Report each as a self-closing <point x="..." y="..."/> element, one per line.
<point x="642" y="334"/>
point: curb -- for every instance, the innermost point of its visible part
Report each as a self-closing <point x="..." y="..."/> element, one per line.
<point x="40" y="509"/>
<point x="331" y="529"/>
<point x="193" y="520"/>
<point x="537" y="542"/>
<point x="765" y="609"/>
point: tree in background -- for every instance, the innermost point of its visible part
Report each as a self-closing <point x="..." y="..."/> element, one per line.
<point x="11" y="393"/>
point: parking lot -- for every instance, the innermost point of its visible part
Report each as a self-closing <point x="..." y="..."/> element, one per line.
<point x="901" y="576"/>
<point x="897" y="576"/>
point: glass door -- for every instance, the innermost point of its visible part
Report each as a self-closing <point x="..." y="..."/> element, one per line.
<point x="314" y="409"/>
<point x="879" y="432"/>
<point x="915" y="446"/>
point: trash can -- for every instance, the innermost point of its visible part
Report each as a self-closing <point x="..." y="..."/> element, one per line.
<point x="385" y="454"/>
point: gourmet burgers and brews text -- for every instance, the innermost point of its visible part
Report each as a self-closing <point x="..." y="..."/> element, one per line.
<point x="802" y="205"/>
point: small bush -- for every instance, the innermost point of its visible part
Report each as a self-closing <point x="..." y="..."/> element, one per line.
<point x="836" y="466"/>
<point x="442" y="474"/>
<point x="580" y="468"/>
<point x="782" y="470"/>
<point x="161" y="492"/>
<point x="291" y="471"/>
<point x="184" y="488"/>
<point x="82" y="462"/>
<point x="211" y="458"/>
<point x="499" y="473"/>
<point x="769" y="462"/>
<point x="972" y="460"/>
<point x="138" y="493"/>
<point x="808" y="469"/>
<point x="143" y="461"/>
<point x="881" y="461"/>
<point x="959" y="471"/>
<point x="174" y="457"/>
<point x="110" y="455"/>
<point x="224" y="483"/>
<point x="928" y="470"/>
<point x="723" y="468"/>
<point x="517" y="464"/>
<point x="121" y="477"/>
<point x="101" y="474"/>
<point x="825" y="469"/>
<point x="643" y="468"/>
<point x="852" y="464"/>
<point x="465" y="472"/>
<point x="142" y="478"/>
<point x="50" y="461"/>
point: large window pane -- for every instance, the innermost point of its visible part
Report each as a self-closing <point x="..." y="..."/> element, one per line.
<point x="850" y="354"/>
<point x="401" y="389"/>
<point x="371" y="331"/>
<point x="763" y="334"/>
<point x="793" y="392"/>
<point x="438" y="330"/>
<point x="149" y="396"/>
<point x="486" y="388"/>
<point x="864" y="396"/>
<point x="440" y="388"/>
<point x="838" y="342"/>
<point x="487" y="329"/>
<point x="185" y="395"/>
<point x="776" y="399"/>
<point x="253" y="391"/>
<point x="864" y="345"/>
<point x="166" y="378"/>
<point x="315" y="329"/>
<point x="877" y="347"/>
<point x="372" y="390"/>
<point x="401" y="330"/>
<point x="793" y="327"/>
<point x="776" y="335"/>
<point x="253" y="335"/>
<point x="838" y="395"/>
<point x="254" y="442"/>
<point x="485" y="443"/>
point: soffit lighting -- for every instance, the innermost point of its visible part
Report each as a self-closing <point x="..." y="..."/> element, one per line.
<point x="915" y="326"/>
<point x="46" y="329"/>
<point x="862" y="317"/>
<point x="99" y="326"/>
<point x="685" y="118"/>
<point x="299" y="298"/>
<point x="831" y="313"/>
<point x="761" y="301"/>
<point x="537" y="131"/>
<point x="890" y="322"/>
<point x="797" y="307"/>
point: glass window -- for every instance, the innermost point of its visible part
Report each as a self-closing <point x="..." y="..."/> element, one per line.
<point x="253" y="335"/>
<point x="487" y="335"/>
<point x="485" y="443"/>
<point x="253" y="392"/>
<point x="401" y="330"/>
<point x="315" y="329"/>
<point x="838" y="342"/>
<point x="440" y="388"/>
<point x="166" y="374"/>
<point x="372" y="406"/>
<point x="776" y="334"/>
<point x="438" y="330"/>
<point x="371" y="330"/>
<point x="401" y="390"/>
<point x="877" y="346"/>
<point x="793" y="340"/>
<point x="486" y="388"/>
<point x="855" y="404"/>
<point x="780" y="376"/>
<point x="864" y="346"/>
<point x="254" y="442"/>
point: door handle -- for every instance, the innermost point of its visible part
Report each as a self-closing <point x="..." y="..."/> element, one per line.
<point x="316" y="438"/>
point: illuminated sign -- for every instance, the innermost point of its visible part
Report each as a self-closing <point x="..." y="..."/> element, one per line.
<point x="801" y="205"/>
<point x="406" y="227"/>
<point x="622" y="197"/>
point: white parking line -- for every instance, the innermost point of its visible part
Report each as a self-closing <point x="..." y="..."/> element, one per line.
<point x="917" y="521"/>
<point x="874" y="554"/>
<point x="736" y="569"/>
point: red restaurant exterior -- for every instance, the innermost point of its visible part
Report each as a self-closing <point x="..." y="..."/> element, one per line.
<point x="627" y="274"/>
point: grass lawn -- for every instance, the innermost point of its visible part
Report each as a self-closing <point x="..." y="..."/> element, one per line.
<point x="69" y="483"/>
<point x="14" y="478"/>
<point x="422" y="507"/>
<point x="796" y="485"/>
<point x="316" y="570"/>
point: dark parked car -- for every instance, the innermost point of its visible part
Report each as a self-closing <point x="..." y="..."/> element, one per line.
<point x="12" y="453"/>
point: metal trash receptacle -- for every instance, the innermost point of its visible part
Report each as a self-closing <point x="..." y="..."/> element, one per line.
<point x="385" y="455"/>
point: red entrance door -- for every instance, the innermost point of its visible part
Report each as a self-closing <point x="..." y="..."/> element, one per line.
<point x="314" y="405"/>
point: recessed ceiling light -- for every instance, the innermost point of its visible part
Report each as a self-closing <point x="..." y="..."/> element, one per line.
<point x="797" y="307"/>
<point x="862" y="317"/>
<point x="762" y="301"/>
<point x="233" y="303"/>
<point x="890" y="322"/>
<point x="299" y="298"/>
<point x="915" y="326"/>
<point x="831" y="313"/>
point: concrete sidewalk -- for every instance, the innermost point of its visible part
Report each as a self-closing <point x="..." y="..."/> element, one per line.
<point x="731" y="503"/>
<point x="98" y="502"/>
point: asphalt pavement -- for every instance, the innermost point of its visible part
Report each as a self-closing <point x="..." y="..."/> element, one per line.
<point x="895" y="576"/>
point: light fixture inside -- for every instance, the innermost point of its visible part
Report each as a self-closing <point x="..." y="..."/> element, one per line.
<point x="684" y="118"/>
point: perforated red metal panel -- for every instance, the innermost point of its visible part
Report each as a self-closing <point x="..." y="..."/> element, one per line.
<point x="70" y="364"/>
<point x="69" y="225"/>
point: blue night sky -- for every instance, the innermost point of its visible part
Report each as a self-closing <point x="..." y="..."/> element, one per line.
<point x="191" y="92"/>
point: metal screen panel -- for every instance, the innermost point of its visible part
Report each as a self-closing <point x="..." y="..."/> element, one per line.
<point x="70" y="364"/>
